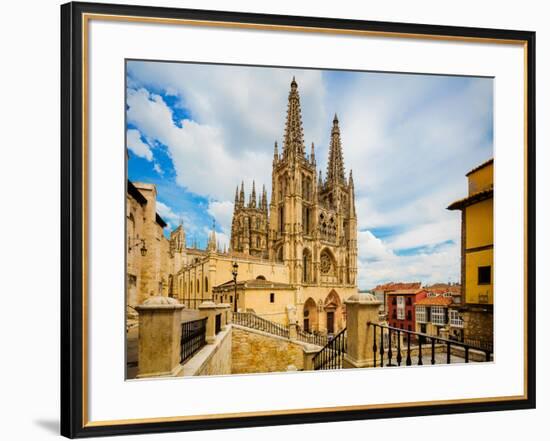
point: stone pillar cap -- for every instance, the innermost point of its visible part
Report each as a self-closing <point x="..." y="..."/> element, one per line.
<point x="160" y="302"/>
<point x="208" y="304"/>
<point x="363" y="298"/>
<point x="310" y="349"/>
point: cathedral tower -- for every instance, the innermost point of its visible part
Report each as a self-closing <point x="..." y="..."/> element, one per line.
<point x="311" y="225"/>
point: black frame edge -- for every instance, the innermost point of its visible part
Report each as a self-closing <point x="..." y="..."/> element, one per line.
<point x="71" y="222"/>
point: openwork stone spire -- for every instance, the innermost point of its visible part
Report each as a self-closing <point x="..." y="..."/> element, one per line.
<point x="252" y="202"/>
<point x="294" y="134"/>
<point x="241" y="195"/>
<point x="335" y="167"/>
<point x="212" y="241"/>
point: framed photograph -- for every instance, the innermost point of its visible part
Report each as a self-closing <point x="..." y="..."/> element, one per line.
<point x="276" y="220"/>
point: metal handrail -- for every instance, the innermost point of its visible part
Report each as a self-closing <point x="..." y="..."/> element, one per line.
<point x="381" y="350"/>
<point x="331" y="356"/>
<point x="193" y="338"/>
<point x="251" y="320"/>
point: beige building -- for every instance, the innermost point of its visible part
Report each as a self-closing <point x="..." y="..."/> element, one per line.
<point x="298" y="249"/>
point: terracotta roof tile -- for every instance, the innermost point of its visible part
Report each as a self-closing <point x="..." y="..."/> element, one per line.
<point x="435" y="301"/>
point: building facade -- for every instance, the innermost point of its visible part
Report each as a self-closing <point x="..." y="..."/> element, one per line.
<point x="477" y="253"/>
<point x="299" y="248"/>
<point x="400" y="306"/>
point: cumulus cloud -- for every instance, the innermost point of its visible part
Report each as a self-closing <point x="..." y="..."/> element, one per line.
<point x="222" y="211"/>
<point x="136" y="145"/>
<point x="409" y="139"/>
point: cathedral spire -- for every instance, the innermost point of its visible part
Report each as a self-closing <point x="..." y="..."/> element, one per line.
<point x="312" y="156"/>
<point x="294" y="134"/>
<point x="252" y="202"/>
<point x="275" y="152"/>
<point x="335" y="167"/>
<point x="212" y="242"/>
<point x="236" y="198"/>
<point x="241" y="195"/>
<point x="263" y="205"/>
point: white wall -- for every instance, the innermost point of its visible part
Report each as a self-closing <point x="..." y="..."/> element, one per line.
<point x="30" y="216"/>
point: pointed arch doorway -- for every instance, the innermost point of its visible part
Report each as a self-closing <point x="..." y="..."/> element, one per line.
<point x="311" y="316"/>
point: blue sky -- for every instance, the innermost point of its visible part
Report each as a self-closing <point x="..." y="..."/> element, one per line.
<point x="197" y="131"/>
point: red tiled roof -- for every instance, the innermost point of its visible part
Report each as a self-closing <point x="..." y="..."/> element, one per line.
<point x="435" y="301"/>
<point x="392" y="286"/>
<point x="405" y="291"/>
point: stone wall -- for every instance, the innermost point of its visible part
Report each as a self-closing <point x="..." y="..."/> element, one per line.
<point x="255" y="352"/>
<point x="212" y="359"/>
<point x="478" y="323"/>
<point x="219" y="362"/>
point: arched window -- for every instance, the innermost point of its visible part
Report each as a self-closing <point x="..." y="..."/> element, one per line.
<point x="206" y="284"/>
<point x="260" y="278"/>
<point x="198" y="285"/>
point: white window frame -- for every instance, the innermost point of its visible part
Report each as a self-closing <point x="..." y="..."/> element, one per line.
<point x="421" y="314"/>
<point x="400" y="308"/>
<point x="438" y="315"/>
<point x="454" y="319"/>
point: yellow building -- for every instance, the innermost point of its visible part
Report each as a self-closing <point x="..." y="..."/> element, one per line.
<point x="296" y="252"/>
<point x="477" y="253"/>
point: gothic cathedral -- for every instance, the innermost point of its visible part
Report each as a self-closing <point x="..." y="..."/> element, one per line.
<point x="310" y="224"/>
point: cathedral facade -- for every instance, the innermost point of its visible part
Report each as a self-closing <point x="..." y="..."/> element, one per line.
<point x="296" y="252"/>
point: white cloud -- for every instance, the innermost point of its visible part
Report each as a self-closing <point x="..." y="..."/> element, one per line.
<point x="198" y="151"/>
<point x="379" y="264"/>
<point x="167" y="213"/>
<point x="409" y="138"/>
<point x="222" y="211"/>
<point x="157" y="168"/>
<point x="136" y="145"/>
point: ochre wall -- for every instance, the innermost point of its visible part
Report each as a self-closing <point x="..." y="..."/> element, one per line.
<point x="473" y="290"/>
<point x="480" y="179"/>
<point x="255" y="352"/>
<point x="258" y="301"/>
<point x="479" y="224"/>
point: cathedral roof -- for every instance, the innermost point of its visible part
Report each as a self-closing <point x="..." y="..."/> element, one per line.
<point x="252" y="284"/>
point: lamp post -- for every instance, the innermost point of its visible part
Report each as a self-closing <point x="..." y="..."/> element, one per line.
<point x="234" y="273"/>
<point x="136" y="241"/>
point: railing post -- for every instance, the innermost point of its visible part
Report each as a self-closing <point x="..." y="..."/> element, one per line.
<point x="292" y="322"/>
<point x="159" y="337"/>
<point x="309" y="353"/>
<point x="361" y="308"/>
<point x="208" y="309"/>
<point x="224" y="309"/>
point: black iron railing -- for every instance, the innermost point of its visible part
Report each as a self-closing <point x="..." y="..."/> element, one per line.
<point x="193" y="338"/>
<point x="251" y="320"/>
<point x="332" y="354"/>
<point x="314" y="339"/>
<point x="387" y="339"/>
<point x="480" y="345"/>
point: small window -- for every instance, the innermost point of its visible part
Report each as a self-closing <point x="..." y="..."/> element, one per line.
<point x="484" y="275"/>
<point x="409" y="301"/>
<point x="206" y="284"/>
<point x="272" y="297"/>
